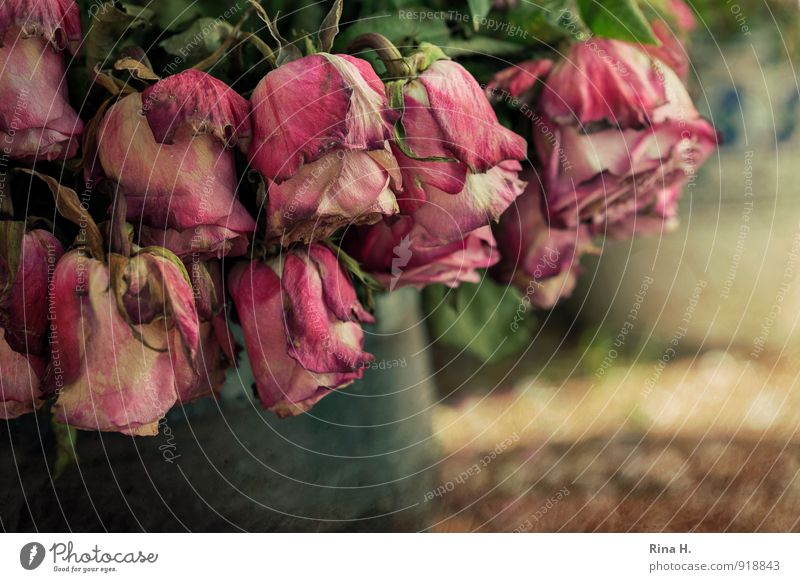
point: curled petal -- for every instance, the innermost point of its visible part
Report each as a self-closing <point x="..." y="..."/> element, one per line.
<point x="467" y="122"/>
<point x="178" y="293"/>
<point x="307" y="107"/>
<point x="343" y="188"/>
<point x="202" y="102"/>
<point x="659" y="216"/>
<point x="337" y="290"/>
<point x="450" y="217"/>
<point x="518" y="80"/>
<point x="20" y="378"/>
<point x="603" y="81"/>
<point x="57" y="21"/>
<point x="318" y="338"/>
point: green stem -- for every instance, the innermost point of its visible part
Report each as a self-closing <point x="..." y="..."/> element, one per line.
<point x="394" y="62"/>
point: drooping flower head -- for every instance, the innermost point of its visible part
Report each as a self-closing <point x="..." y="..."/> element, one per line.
<point x="320" y="130"/>
<point x="302" y="326"/>
<point x="125" y="337"/>
<point x="617" y="135"/>
<point x="168" y="150"/>
<point x="449" y="142"/>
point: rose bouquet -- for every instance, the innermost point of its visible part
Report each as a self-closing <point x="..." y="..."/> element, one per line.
<point x="169" y="175"/>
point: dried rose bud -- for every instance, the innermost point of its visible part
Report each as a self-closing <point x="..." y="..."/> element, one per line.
<point x="126" y="336"/>
<point x="168" y="150"/>
<point x="320" y="130"/>
<point x="302" y="327"/>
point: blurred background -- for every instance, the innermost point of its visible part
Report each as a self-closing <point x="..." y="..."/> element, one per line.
<point x="663" y="395"/>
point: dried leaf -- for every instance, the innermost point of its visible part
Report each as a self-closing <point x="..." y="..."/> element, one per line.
<point x="137" y="68"/>
<point x="286" y="51"/>
<point x="330" y="27"/>
<point x="11" y="235"/>
<point x="69" y="206"/>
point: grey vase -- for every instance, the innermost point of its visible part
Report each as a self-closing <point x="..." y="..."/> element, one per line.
<point x="362" y="459"/>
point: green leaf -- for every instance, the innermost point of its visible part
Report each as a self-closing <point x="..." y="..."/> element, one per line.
<point x="479" y="45"/>
<point x="619" y="19"/>
<point x="485" y="319"/>
<point x="173" y="14"/>
<point x="545" y="21"/>
<point x="478" y="9"/>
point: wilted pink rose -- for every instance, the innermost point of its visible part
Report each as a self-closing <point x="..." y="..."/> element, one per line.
<point x="24" y="324"/>
<point x="36" y="119"/>
<point x="541" y="260"/>
<point x="452" y="144"/>
<point x="340" y="189"/>
<point x="301" y="320"/>
<point x="20" y="381"/>
<point x="514" y="84"/>
<point x="614" y="130"/>
<point x="320" y="130"/>
<point x="659" y="216"/>
<point x="168" y="150"/>
<point x="23" y="305"/>
<point x="217" y="346"/>
<point x="395" y="253"/>
<point x="603" y="81"/>
<point x="443" y="218"/>
<point x="124" y="341"/>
